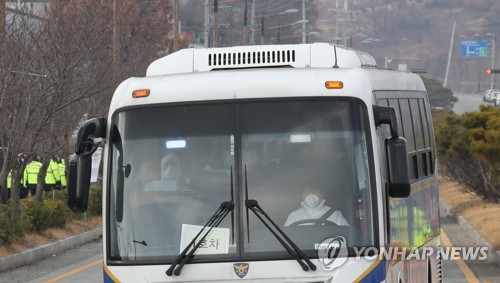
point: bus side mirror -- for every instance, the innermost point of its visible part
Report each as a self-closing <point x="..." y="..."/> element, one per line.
<point x="386" y="115"/>
<point x="397" y="164"/>
<point x="79" y="182"/>
<point x="80" y="166"/>
<point x="395" y="148"/>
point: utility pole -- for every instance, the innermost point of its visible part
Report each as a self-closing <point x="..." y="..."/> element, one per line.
<point x="336" y="22"/>
<point x="345" y="29"/>
<point x="445" y="83"/>
<point x="493" y="42"/>
<point x="252" y="24"/>
<point x="342" y="15"/>
<point x="2" y="26"/>
<point x="176" y="25"/>
<point x="304" y="21"/>
<point x="245" y="24"/>
<point x="262" y="35"/>
<point x="216" y="24"/>
<point x="116" y="38"/>
<point x="207" y="24"/>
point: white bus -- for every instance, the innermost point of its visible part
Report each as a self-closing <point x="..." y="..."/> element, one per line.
<point x="279" y="163"/>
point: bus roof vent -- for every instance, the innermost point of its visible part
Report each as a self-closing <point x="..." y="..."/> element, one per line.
<point x="316" y="55"/>
<point x="251" y="58"/>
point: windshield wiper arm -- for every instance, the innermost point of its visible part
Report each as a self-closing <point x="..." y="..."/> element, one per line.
<point x="284" y="240"/>
<point x="141" y="242"/>
<point x="214" y="221"/>
<point x="294" y="251"/>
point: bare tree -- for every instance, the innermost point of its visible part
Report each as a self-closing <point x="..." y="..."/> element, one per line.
<point x="77" y="64"/>
<point x="58" y="69"/>
<point x="5" y="169"/>
<point x="2" y="25"/>
<point x="17" y="86"/>
<point x="143" y="38"/>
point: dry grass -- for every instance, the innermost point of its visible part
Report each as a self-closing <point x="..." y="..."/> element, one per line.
<point x="482" y="215"/>
<point x="54" y="234"/>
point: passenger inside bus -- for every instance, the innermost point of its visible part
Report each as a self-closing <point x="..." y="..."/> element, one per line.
<point x="171" y="167"/>
<point x="313" y="209"/>
<point x="165" y="193"/>
<point x="172" y="176"/>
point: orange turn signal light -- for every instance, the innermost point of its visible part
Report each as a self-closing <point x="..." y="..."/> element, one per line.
<point x="140" y="93"/>
<point x="334" y="84"/>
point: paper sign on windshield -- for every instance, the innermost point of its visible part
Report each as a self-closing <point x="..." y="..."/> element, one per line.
<point x="217" y="242"/>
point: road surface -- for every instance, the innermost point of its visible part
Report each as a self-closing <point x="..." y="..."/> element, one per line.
<point x="84" y="264"/>
<point x="76" y="260"/>
<point x="468" y="103"/>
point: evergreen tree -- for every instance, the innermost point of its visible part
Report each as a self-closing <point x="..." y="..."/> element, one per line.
<point x="468" y="147"/>
<point x="439" y="97"/>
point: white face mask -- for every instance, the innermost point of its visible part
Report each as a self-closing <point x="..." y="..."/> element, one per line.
<point x="312" y="201"/>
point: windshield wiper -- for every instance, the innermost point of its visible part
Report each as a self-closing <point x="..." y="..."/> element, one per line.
<point x="141" y="242"/>
<point x="214" y="221"/>
<point x="284" y="240"/>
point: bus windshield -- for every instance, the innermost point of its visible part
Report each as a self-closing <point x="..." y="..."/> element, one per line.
<point x="306" y="161"/>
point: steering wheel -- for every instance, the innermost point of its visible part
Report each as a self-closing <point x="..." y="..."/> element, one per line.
<point x="314" y="222"/>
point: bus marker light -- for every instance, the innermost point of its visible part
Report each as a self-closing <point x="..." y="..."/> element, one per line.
<point x="334" y="84"/>
<point x="140" y="93"/>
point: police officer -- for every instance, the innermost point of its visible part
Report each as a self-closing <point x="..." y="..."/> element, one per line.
<point x="62" y="172"/>
<point x="52" y="177"/>
<point x="23" y="192"/>
<point x="31" y="175"/>
<point x="9" y="184"/>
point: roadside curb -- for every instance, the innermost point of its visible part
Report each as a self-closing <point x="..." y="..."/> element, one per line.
<point x="446" y="210"/>
<point x="41" y="252"/>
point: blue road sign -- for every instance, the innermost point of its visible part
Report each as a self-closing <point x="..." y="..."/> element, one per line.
<point x="474" y="48"/>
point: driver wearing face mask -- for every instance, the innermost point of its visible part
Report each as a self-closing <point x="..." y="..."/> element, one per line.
<point x="313" y="207"/>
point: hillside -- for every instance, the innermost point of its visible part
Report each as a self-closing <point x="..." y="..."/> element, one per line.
<point x="412" y="32"/>
<point x="418" y="33"/>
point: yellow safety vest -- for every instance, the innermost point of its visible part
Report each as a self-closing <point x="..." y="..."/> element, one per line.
<point x="31" y="172"/>
<point x="62" y="172"/>
<point x="9" y="180"/>
<point x="54" y="166"/>
<point x="50" y="176"/>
